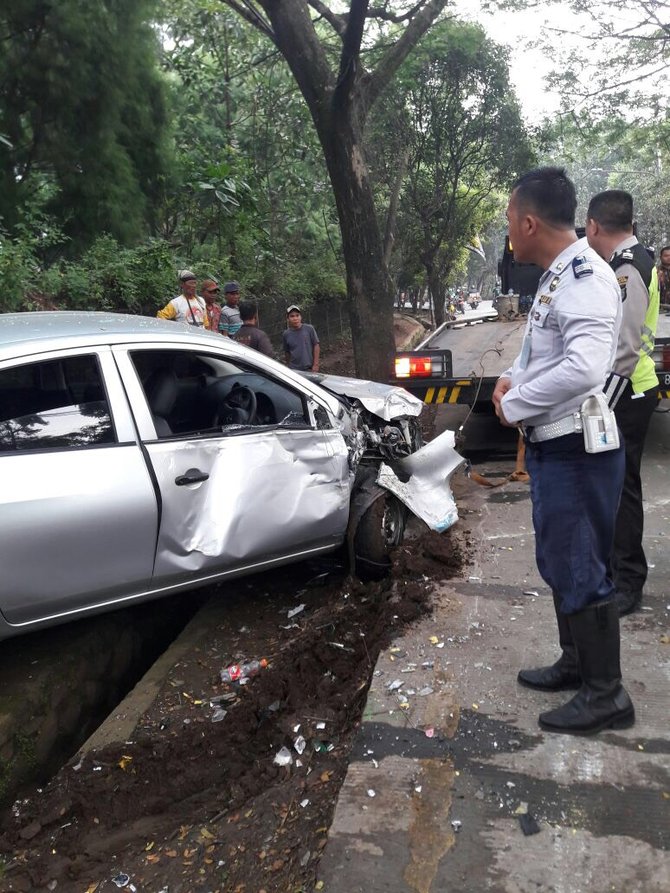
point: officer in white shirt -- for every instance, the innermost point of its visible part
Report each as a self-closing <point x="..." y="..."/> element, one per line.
<point x="567" y="354"/>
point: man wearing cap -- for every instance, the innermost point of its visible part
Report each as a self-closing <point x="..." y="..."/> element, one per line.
<point x="230" y="320"/>
<point x="300" y="342"/>
<point x="210" y="292"/>
<point x="187" y="307"/>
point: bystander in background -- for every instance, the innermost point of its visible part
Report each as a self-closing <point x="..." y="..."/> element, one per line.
<point x="187" y="307"/>
<point x="300" y="342"/>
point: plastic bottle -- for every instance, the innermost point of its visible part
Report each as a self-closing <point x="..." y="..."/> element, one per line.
<point x="240" y="672"/>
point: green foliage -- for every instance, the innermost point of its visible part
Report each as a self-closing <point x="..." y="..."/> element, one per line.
<point x="81" y="104"/>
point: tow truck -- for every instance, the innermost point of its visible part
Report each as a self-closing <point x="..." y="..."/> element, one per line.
<point x="462" y="360"/>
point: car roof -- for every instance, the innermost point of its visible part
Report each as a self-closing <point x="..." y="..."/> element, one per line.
<point x="63" y="328"/>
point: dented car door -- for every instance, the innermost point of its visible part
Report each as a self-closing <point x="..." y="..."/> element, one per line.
<point x="241" y="496"/>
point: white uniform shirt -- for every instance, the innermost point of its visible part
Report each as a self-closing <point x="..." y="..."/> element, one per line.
<point x="570" y="340"/>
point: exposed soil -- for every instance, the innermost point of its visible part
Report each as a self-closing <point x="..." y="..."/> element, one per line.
<point x="196" y="800"/>
<point x="192" y="803"/>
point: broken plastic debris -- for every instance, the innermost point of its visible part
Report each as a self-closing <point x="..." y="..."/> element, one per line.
<point x="426" y="690"/>
<point x="121" y="880"/>
<point x="283" y="757"/>
<point x="528" y="824"/>
<point x="395" y="685"/>
<point x="530" y="592"/>
<point x="321" y="725"/>
<point x="294" y="611"/>
<point x="300" y="744"/>
<point x="371" y="793"/>
<point x="304" y="803"/>
<point x="433" y="640"/>
<point x="219" y="714"/>
<point x="457" y="824"/>
<point x="430" y="732"/>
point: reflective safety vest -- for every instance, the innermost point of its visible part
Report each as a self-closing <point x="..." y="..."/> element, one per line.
<point x="644" y="376"/>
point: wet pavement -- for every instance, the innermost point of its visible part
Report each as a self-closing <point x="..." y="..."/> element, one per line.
<point x="452" y="786"/>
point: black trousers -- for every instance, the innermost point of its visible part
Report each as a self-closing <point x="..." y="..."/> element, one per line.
<point x="628" y="563"/>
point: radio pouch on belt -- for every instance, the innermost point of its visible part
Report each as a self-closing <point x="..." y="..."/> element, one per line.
<point x="598" y="425"/>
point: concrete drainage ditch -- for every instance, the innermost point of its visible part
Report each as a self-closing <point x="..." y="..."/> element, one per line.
<point x="57" y="686"/>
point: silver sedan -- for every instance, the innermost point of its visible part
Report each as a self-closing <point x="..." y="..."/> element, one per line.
<point x="140" y="457"/>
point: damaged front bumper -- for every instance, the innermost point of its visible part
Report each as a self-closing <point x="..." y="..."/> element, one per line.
<point x="421" y="481"/>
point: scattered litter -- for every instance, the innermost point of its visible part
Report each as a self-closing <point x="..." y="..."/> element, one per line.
<point x="300" y="744"/>
<point x="395" y="685"/>
<point x="426" y="690"/>
<point x="531" y="592"/>
<point x="433" y="640"/>
<point x="323" y="746"/>
<point x="121" y="880"/>
<point x="429" y="732"/>
<point x="528" y="824"/>
<point x="244" y="671"/>
<point x="521" y="809"/>
<point x="418" y="789"/>
<point x="457" y="824"/>
<point x="371" y="793"/>
<point x="440" y="645"/>
<point x="428" y="664"/>
<point x="304" y="803"/>
<point x="293" y="611"/>
<point x="305" y="859"/>
<point x="219" y="714"/>
<point x="340" y="646"/>
<point x="410" y="668"/>
<point x="665" y="639"/>
<point x="296" y="728"/>
<point x="283" y="757"/>
<point x="474" y="579"/>
<point x="321" y="725"/>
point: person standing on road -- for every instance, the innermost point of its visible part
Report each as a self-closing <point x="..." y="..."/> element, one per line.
<point x="300" y="342"/>
<point x="187" y="307"/>
<point x="249" y="333"/>
<point x="230" y="321"/>
<point x="609" y="230"/>
<point x="210" y="292"/>
<point x="663" y="272"/>
<point x="567" y="353"/>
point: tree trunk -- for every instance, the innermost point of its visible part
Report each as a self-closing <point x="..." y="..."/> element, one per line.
<point x="369" y="287"/>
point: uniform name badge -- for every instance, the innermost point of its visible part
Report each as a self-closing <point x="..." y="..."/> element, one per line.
<point x="524" y="356"/>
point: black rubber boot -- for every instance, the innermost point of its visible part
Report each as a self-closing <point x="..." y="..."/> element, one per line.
<point x="602" y="702"/>
<point x="562" y="675"/>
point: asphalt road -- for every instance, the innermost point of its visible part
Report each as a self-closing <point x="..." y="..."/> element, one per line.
<point x="437" y="785"/>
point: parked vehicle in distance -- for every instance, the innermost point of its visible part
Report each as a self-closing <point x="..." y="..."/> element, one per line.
<point x="141" y="457"/>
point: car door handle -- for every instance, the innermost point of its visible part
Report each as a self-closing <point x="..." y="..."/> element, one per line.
<point x="192" y="476"/>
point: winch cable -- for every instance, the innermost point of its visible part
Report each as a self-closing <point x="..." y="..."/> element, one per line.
<point x="519" y="473"/>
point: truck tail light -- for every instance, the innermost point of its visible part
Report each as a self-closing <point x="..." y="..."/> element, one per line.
<point x="414" y="367"/>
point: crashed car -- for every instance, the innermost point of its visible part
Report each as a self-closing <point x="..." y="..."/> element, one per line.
<point x="142" y="457"/>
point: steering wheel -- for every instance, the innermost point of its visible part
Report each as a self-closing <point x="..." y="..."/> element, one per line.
<point x="237" y="408"/>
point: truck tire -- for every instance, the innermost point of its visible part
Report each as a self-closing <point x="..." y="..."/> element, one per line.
<point x="381" y="529"/>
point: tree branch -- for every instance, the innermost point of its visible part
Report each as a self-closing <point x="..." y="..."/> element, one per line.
<point x="250" y="14"/>
<point x="396" y="54"/>
<point x="337" y="22"/>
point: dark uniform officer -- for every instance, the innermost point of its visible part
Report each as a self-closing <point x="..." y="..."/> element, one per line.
<point x="567" y="353"/>
<point x="609" y="229"/>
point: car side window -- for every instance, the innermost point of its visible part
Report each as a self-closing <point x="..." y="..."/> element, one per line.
<point x="54" y="404"/>
<point x="193" y="393"/>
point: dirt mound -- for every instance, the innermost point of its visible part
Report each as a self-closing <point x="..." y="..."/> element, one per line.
<point x="197" y="800"/>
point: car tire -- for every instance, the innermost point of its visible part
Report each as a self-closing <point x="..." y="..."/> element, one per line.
<point x="380" y="530"/>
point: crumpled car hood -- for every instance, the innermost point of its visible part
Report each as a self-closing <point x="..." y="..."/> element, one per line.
<point x="386" y="401"/>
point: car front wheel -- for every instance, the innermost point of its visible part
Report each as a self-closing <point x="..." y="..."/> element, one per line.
<point x="380" y="530"/>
